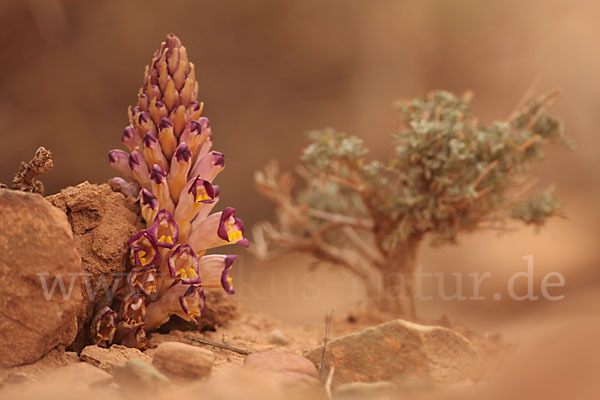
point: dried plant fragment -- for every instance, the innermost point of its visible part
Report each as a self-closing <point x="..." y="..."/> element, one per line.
<point x="26" y="179"/>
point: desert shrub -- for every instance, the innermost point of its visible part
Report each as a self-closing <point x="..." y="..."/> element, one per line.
<point x="447" y="173"/>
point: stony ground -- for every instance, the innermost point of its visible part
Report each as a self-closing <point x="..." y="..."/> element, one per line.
<point x="404" y="356"/>
<point x="43" y="351"/>
<point x="550" y="368"/>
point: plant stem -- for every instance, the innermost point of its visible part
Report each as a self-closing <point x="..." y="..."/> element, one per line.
<point x="223" y="346"/>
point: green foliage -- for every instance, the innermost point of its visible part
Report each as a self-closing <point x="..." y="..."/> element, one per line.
<point x="447" y="172"/>
<point x="537" y="209"/>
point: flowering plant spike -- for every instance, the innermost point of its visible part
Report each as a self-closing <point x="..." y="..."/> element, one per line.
<point x="169" y="169"/>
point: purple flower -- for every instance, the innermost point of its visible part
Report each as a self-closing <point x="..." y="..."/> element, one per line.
<point x="164" y="230"/>
<point x="166" y="137"/>
<point x="214" y="271"/>
<point x="127" y="188"/>
<point x="149" y="205"/>
<point x="139" y="168"/>
<point x="144" y="250"/>
<point x="144" y="280"/>
<point x="135" y="337"/>
<point x="193" y="302"/>
<point x="170" y="170"/>
<point x="197" y="194"/>
<point x="185" y="301"/>
<point x="133" y="310"/>
<point x="217" y="230"/>
<point x="104" y="326"/>
<point x="153" y="152"/>
<point x="194" y="110"/>
<point x="144" y="123"/>
<point x="131" y="138"/>
<point x="160" y="188"/>
<point x="180" y="166"/>
<point x="209" y="166"/>
<point x="143" y="100"/>
<point x="196" y="134"/>
<point x="183" y="264"/>
<point x="119" y="160"/>
<point x="158" y="110"/>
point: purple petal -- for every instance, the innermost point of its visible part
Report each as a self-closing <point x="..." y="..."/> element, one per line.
<point x="129" y="134"/>
<point x="218" y="159"/>
<point x="149" y="199"/>
<point x="119" y="160"/>
<point x="164" y="230"/>
<point x="198" y="293"/>
<point x="157" y="174"/>
<point x="133" y="309"/>
<point x="209" y="190"/>
<point x="183" y="153"/>
<point x="225" y="281"/>
<point x="217" y="230"/>
<point x="144" y="280"/>
<point x="222" y="230"/>
<point x="131" y="189"/>
<point x="150" y="139"/>
<point x="144" y="242"/>
<point x="104" y="326"/>
<point x="135" y="160"/>
<point x="186" y="255"/>
<point x="143" y="117"/>
<point x="209" y="165"/>
<point x="165" y="123"/>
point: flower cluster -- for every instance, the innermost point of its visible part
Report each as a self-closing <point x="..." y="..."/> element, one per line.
<point x="169" y="169"/>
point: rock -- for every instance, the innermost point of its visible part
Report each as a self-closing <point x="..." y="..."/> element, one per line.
<point x="233" y="382"/>
<point x="137" y="375"/>
<point x="281" y="360"/>
<point x="285" y="367"/>
<point x="74" y="381"/>
<point x="400" y="350"/>
<point x="102" y="222"/>
<point x="278" y="337"/>
<point x="70" y="356"/>
<point x="180" y="361"/>
<point x="106" y="359"/>
<point x="81" y="373"/>
<point x="360" y="390"/>
<point x="37" y="254"/>
<point x="293" y="379"/>
<point x="19" y="377"/>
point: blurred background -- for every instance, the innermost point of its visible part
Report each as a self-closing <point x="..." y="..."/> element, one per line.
<point x="269" y="70"/>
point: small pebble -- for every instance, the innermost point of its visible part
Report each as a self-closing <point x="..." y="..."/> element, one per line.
<point x="137" y="375"/>
<point x="80" y="373"/>
<point x="19" y="377"/>
<point x="106" y="359"/>
<point x="278" y="337"/>
<point x="362" y="390"/>
<point x="180" y="361"/>
<point x="281" y="360"/>
<point x="284" y="367"/>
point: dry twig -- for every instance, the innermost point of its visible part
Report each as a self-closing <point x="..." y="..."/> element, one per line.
<point x="328" y="321"/>
<point x="223" y="346"/>
<point x="328" y="383"/>
<point x="25" y="180"/>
